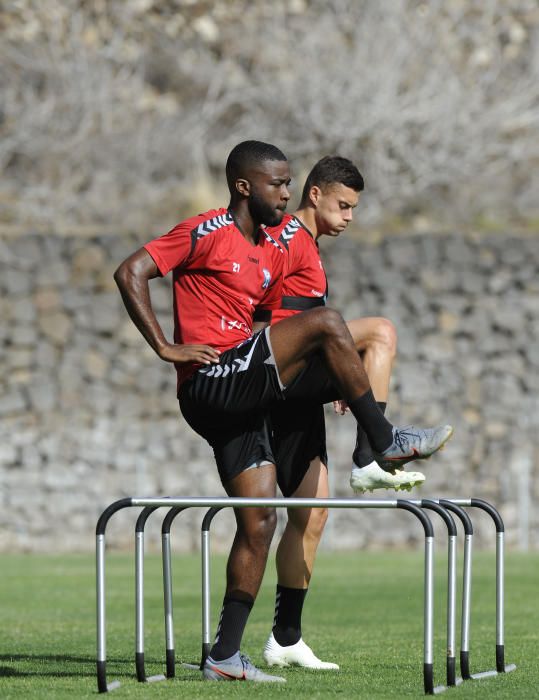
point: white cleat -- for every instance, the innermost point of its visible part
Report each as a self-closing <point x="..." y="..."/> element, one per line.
<point x="374" y="477"/>
<point x="298" y="654"/>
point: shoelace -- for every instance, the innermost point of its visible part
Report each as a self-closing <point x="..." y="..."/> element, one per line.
<point x="246" y="661"/>
<point x="402" y="438"/>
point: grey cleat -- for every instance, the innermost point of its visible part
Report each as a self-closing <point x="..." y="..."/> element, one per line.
<point x="411" y="443"/>
<point x="236" y="668"/>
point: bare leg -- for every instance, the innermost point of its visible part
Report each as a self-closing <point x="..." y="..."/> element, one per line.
<point x="255" y="528"/>
<point x="297" y="549"/>
<point x="323" y="332"/>
<point x="294" y="340"/>
<point x="295" y="560"/>
<point x="247" y="559"/>
<point x="376" y="339"/>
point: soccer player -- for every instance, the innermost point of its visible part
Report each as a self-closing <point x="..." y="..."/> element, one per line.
<point x="330" y="194"/>
<point x="224" y="268"/>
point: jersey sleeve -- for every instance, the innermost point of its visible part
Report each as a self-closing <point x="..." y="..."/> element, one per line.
<point x="173" y="249"/>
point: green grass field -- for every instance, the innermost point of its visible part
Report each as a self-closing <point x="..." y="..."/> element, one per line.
<point x="364" y="611"/>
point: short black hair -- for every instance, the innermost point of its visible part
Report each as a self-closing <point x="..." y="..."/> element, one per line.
<point x="246" y="155"/>
<point x="332" y="170"/>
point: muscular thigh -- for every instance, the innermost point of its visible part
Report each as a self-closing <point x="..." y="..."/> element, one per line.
<point x="295" y="339"/>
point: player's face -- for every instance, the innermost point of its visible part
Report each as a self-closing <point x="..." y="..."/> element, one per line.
<point x="269" y="193"/>
<point x="334" y="208"/>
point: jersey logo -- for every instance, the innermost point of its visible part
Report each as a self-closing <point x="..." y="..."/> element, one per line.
<point x="211" y="225"/>
<point x="267" y="278"/>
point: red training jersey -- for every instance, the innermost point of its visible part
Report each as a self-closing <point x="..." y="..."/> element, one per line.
<point x="219" y="279"/>
<point x="303" y="271"/>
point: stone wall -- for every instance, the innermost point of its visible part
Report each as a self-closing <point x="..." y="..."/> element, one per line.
<point x="88" y="413"/>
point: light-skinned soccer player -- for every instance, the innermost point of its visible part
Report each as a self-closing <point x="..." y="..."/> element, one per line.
<point x="331" y="193"/>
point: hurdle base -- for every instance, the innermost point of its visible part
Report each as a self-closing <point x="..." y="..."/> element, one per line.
<point x="438" y="689"/>
<point x="501" y="666"/>
<point x="141" y="671"/>
<point x="102" y="685"/>
<point x="493" y="672"/>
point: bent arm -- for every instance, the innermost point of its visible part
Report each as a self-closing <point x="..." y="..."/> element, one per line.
<point x="132" y="278"/>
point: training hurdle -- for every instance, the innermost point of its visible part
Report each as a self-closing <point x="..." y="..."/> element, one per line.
<point x="219" y="503"/>
<point x="178" y="505"/>
<point x="443" y="505"/>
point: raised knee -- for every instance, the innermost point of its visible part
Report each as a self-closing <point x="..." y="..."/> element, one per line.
<point x="386" y="335"/>
<point x="331" y="322"/>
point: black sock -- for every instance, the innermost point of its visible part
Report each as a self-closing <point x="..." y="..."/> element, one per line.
<point x="363" y="451"/>
<point x="288" y="609"/>
<point x="234" y="614"/>
<point x="378" y="429"/>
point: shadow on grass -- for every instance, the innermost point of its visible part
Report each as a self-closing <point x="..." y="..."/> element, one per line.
<point x="41" y="661"/>
<point x="124" y="668"/>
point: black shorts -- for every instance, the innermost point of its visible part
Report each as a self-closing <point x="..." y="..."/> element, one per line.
<point x="298" y="424"/>
<point x="299" y="436"/>
<point x="228" y="404"/>
<point x="313" y="383"/>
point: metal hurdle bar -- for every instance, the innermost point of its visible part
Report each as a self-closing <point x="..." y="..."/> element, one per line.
<point x="501" y="666"/>
<point x="206" y="639"/>
<point x="451" y="679"/>
<point x="139" y="598"/>
<point x="449" y="505"/>
<point x="466" y="585"/>
<point x="182" y="503"/>
<point x="451" y="592"/>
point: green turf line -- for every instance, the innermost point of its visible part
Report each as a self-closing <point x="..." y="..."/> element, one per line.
<point x="364" y="611"/>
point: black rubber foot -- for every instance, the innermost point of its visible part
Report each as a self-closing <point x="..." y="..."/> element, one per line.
<point x="205" y="653"/>
<point x="139" y="664"/>
<point x="465" y="665"/>
<point x="171" y="663"/>
<point x="428" y="679"/>
<point x="500" y="658"/>
<point x="102" y="676"/>
<point x="451" y="671"/>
